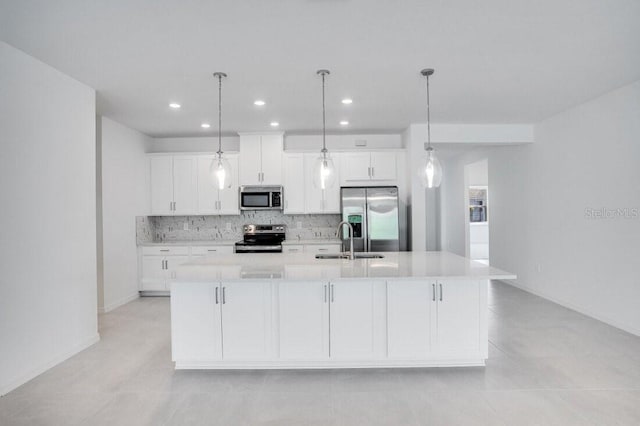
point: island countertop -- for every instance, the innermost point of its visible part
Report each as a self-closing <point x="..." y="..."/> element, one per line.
<point x="304" y="266"/>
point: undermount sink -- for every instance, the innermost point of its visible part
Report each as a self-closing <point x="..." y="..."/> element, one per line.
<point x="346" y="256"/>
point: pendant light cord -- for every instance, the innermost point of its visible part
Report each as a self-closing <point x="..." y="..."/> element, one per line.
<point x="219" y="115"/>
<point x="428" y="117"/>
<point x="324" y="123"/>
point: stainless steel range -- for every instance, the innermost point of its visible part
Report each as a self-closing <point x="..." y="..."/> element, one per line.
<point x="261" y="239"/>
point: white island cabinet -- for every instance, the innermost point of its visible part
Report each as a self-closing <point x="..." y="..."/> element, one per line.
<point x="406" y="309"/>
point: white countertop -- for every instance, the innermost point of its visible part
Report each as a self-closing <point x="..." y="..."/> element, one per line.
<point x="304" y="266"/>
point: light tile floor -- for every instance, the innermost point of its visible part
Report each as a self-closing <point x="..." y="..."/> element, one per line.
<point x="548" y="366"/>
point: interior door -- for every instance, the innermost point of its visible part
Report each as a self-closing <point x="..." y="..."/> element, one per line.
<point x="161" y="185"/>
<point x="458" y="317"/>
<point x="246" y="319"/>
<point x="352" y="319"/>
<point x="195" y="323"/>
<point x="382" y="219"/>
<point x="410" y="306"/>
<point x="304" y="319"/>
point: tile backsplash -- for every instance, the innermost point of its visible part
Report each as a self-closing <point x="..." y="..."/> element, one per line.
<point x="207" y="228"/>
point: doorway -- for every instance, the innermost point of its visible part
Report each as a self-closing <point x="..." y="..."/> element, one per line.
<point x="476" y="178"/>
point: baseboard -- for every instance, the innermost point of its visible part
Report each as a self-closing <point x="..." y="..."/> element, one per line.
<point x="119" y="303"/>
<point x="587" y="312"/>
<point x="13" y="384"/>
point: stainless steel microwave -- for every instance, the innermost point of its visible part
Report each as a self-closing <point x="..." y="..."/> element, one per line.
<point x="260" y="198"/>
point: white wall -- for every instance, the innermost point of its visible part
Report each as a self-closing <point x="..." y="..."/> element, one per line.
<point x="583" y="158"/>
<point x="48" y="237"/>
<point x="201" y="144"/>
<point x="125" y="195"/>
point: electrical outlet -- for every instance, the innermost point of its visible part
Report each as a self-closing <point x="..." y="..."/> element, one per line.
<point x="228" y="226"/>
<point x="299" y="225"/>
<point x="185" y="226"/>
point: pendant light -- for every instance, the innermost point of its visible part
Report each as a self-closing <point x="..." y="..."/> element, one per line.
<point x="430" y="171"/>
<point x="220" y="169"/>
<point x="324" y="171"/>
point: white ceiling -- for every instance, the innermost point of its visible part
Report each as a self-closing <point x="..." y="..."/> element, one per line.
<point x="496" y="61"/>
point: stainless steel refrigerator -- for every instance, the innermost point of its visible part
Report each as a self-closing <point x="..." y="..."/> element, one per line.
<point x="373" y="214"/>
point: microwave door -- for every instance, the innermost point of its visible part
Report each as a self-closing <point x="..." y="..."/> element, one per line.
<point x="255" y="200"/>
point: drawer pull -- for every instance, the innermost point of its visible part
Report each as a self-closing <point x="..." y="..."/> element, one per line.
<point x="164" y="249"/>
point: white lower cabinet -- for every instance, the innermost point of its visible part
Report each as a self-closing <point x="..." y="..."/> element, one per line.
<point x="322" y="248"/>
<point x="458" y="327"/>
<point x="203" y="251"/>
<point x="434" y="318"/>
<point x="246" y="319"/>
<point x="303" y="313"/>
<point x="352" y="319"/>
<point x="196" y="333"/>
<point x="409" y="318"/>
<point x="159" y="266"/>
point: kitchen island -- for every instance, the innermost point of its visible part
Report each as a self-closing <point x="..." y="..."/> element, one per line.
<point x="406" y="309"/>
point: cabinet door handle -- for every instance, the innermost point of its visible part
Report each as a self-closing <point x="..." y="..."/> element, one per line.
<point x="325" y="293"/>
<point x="212" y="250"/>
<point x="441" y="292"/>
<point x="224" y="296"/>
<point x="332" y="293"/>
<point x="433" y="298"/>
<point x="373" y="172"/>
<point x="216" y="295"/>
<point x="323" y="249"/>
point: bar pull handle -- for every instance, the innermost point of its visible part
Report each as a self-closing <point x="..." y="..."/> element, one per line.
<point x="433" y="298"/>
<point x="373" y="172"/>
<point x="332" y="293"/>
<point x="164" y="249"/>
<point x="441" y="292"/>
<point x="369" y="171"/>
<point x="216" y="295"/>
<point x="224" y="296"/>
<point x="325" y="293"/>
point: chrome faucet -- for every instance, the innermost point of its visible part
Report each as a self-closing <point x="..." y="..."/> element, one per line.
<point x="344" y="222"/>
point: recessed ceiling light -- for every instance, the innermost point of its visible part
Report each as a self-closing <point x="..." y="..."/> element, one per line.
<point x="344" y="123"/>
<point x="347" y="101"/>
<point x="205" y="125"/>
<point x="174" y="105"/>
<point x="259" y="102"/>
<point x="274" y="124"/>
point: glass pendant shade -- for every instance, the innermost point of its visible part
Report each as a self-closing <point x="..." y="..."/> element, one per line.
<point x="324" y="173"/>
<point x="220" y="171"/>
<point x="430" y="172"/>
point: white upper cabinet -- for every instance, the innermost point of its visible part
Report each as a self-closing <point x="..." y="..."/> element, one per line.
<point x="173" y="185"/>
<point x="293" y="182"/>
<point x="368" y="166"/>
<point x="319" y="200"/>
<point x="211" y="200"/>
<point x="261" y="159"/>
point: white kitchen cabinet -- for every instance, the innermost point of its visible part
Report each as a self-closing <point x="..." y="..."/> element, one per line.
<point x="293" y="183"/>
<point x="296" y="248"/>
<point x="246" y="319"/>
<point x="410" y="311"/>
<point x="173" y="185"/>
<point x="303" y="308"/>
<point x="159" y="264"/>
<point x="212" y="200"/>
<point x="458" y="316"/>
<point x="196" y="322"/>
<point x="433" y="317"/>
<point x="201" y="251"/>
<point x="261" y="159"/>
<point x="319" y="200"/>
<point x="352" y="319"/>
<point x="368" y="166"/>
<point x="323" y="248"/>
